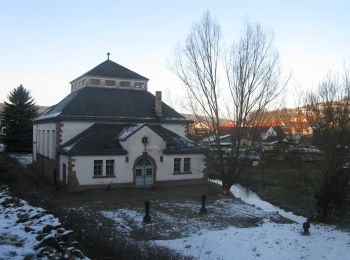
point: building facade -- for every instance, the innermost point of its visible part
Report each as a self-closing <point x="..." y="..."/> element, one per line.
<point x="110" y="131"/>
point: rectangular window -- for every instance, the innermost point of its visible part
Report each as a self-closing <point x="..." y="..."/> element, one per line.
<point x="110" y="83"/>
<point x="139" y="84"/>
<point x="125" y="84"/>
<point x="38" y="142"/>
<point x="43" y="142"/>
<point x="95" y="82"/>
<point x="177" y="165"/>
<point x="53" y="152"/>
<point x="98" y="167"/>
<point x="47" y="152"/>
<point x="109" y="167"/>
<point x="187" y="164"/>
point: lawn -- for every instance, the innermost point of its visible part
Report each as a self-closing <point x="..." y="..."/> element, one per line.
<point x="289" y="184"/>
<point x="108" y="223"/>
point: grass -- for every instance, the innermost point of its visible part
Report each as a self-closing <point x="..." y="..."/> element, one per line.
<point x="174" y="212"/>
<point x="289" y="184"/>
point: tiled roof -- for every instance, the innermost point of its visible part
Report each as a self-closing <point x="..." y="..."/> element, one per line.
<point x="176" y="144"/>
<point x="102" y="139"/>
<point x="109" y="68"/>
<point x="99" y="139"/>
<point x="97" y="103"/>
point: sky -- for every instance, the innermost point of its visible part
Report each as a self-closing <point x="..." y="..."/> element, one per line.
<point x="46" y="44"/>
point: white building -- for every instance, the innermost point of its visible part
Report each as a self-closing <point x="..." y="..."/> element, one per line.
<point x="111" y="131"/>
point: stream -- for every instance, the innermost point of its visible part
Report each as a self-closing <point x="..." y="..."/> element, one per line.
<point x="250" y="197"/>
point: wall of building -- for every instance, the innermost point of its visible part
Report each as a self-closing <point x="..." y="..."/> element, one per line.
<point x="44" y="140"/>
<point x="154" y="147"/>
<point x="164" y="163"/>
<point x="179" y="129"/>
<point x="71" y="129"/>
<point x="84" y="168"/>
<point x="166" y="168"/>
<point x="86" y="81"/>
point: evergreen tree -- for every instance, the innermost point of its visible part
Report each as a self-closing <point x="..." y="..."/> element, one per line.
<point x="19" y="113"/>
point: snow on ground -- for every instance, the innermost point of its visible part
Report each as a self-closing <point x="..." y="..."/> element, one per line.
<point x="27" y="232"/>
<point x="15" y="242"/>
<point x="268" y="241"/>
<point x="174" y="219"/>
<point x="252" y="198"/>
<point x="215" y="236"/>
<point x="23" y="158"/>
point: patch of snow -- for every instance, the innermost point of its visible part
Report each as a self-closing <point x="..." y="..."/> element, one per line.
<point x="22" y="227"/>
<point x="124" y="218"/>
<point x="15" y="242"/>
<point x="252" y="198"/>
<point x="47" y="115"/>
<point x="23" y="158"/>
<point x="175" y="219"/>
<point x="69" y="147"/>
<point x="125" y="133"/>
<point x="268" y="241"/>
<point x="2" y="148"/>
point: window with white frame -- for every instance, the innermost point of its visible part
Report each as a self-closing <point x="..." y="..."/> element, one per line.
<point x="43" y="142"/>
<point x="110" y="83"/>
<point x="139" y="84"/>
<point x="38" y="141"/>
<point x="109" y="167"/>
<point x="95" y="82"/>
<point x="53" y="144"/>
<point x="98" y="164"/>
<point x="187" y="164"/>
<point x="177" y="165"/>
<point x="47" y="152"/>
<point x="125" y="84"/>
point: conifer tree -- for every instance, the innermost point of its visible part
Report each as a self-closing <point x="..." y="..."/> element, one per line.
<point x="19" y="114"/>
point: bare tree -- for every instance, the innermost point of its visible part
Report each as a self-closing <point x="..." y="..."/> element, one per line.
<point x="328" y="111"/>
<point x="254" y="82"/>
<point x="249" y="79"/>
<point x="197" y="66"/>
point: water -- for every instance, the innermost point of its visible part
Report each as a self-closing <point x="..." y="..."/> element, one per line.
<point x="252" y="198"/>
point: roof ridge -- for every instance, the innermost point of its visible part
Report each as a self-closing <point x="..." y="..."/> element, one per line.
<point x="117" y="68"/>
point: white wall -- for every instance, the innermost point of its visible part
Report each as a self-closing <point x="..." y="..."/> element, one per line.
<point x="44" y="138"/>
<point x="136" y="148"/>
<point x="84" y="167"/>
<point x="176" y="128"/>
<point x="71" y="129"/>
<point x="154" y="148"/>
<point x="165" y="170"/>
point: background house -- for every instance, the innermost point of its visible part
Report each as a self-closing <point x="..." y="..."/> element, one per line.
<point x="111" y="131"/>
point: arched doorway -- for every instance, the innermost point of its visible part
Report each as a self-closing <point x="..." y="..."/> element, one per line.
<point x="144" y="172"/>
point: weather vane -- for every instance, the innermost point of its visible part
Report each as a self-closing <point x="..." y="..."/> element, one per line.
<point x="108" y="55"/>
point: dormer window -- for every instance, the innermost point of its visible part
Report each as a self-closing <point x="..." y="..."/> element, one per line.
<point x="95" y="82"/>
<point x="139" y="84"/>
<point x="110" y="83"/>
<point x="125" y="84"/>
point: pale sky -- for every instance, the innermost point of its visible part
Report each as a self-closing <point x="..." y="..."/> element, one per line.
<point x="46" y="44"/>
